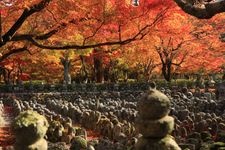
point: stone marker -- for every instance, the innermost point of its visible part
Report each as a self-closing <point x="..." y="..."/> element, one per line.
<point x="30" y="129"/>
<point x="154" y="123"/>
<point x="220" y="90"/>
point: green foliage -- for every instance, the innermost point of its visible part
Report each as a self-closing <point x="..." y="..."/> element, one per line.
<point x="118" y="69"/>
<point x="78" y="143"/>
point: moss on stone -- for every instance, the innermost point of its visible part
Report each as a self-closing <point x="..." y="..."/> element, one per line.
<point x="206" y="136"/>
<point x="166" y="143"/>
<point x="217" y="145"/>
<point x="78" y="143"/>
<point x="29" y="118"/>
<point x="155" y="128"/>
<point x="29" y="126"/>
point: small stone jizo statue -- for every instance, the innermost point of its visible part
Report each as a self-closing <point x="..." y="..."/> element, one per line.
<point x="30" y="129"/>
<point x="154" y="123"/>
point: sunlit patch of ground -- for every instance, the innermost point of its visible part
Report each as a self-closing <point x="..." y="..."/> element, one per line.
<point x="92" y="135"/>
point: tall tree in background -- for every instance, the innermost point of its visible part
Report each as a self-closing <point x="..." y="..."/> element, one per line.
<point x="203" y="9"/>
<point x="41" y="27"/>
<point x="66" y="62"/>
<point x="169" y="54"/>
<point x="31" y="25"/>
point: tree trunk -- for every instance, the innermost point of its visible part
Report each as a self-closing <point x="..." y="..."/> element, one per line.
<point x="9" y="80"/>
<point x="98" y="68"/>
<point x="166" y="71"/>
<point x="3" y="72"/>
<point x="125" y="76"/>
<point x="169" y="72"/>
<point x="106" y="74"/>
<point x="83" y="69"/>
<point x="66" y="66"/>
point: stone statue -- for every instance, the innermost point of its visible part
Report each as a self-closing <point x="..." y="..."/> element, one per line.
<point x="154" y="123"/>
<point x="30" y="129"/>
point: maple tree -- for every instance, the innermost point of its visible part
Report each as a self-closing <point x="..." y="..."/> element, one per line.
<point x="97" y="65"/>
<point x="45" y="67"/>
<point x="113" y="40"/>
<point x="202" y="47"/>
<point x="208" y="52"/>
<point x="55" y="25"/>
<point x="168" y="54"/>
<point x="45" y="32"/>
<point x="140" y="58"/>
<point x="14" y="70"/>
<point x="203" y="9"/>
<point x="147" y="68"/>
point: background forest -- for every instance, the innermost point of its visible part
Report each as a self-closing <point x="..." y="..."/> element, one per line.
<point x="57" y="41"/>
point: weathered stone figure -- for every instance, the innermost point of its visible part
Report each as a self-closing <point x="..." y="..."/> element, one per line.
<point x="30" y="129"/>
<point x="154" y="123"/>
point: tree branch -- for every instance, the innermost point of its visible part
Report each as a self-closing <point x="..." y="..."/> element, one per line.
<point x="182" y="60"/>
<point x="1" y="27"/>
<point x="158" y="49"/>
<point x="26" y="13"/>
<point x="95" y="32"/>
<point x="138" y="36"/>
<point x="222" y="37"/>
<point x="202" y="10"/>
<point x="11" y="52"/>
<point x="119" y="31"/>
<point x="178" y="46"/>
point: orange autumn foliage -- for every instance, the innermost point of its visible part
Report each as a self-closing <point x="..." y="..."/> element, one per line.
<point x="72" y="22"/>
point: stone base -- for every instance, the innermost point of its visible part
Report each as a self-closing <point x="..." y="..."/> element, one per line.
<point x="39" y="145"/>
<point x="166" y="143"/>
<point x="189" y="146"/>
<point x="155" y="128"/>
<point x="58" y="146"/>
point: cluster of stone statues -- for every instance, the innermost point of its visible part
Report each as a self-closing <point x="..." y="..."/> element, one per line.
<point x="122" y="121"/>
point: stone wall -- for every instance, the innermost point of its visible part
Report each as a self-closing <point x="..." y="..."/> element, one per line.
<point x="73" y="87"/>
